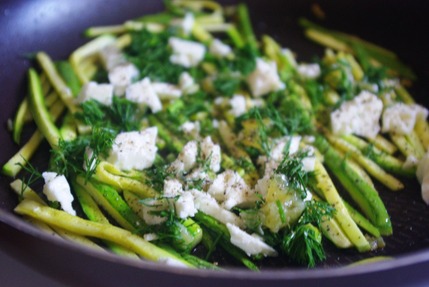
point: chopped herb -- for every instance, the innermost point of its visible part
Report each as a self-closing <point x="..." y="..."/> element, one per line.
<point x="226" y="85"/>
<point x="304" y="245"/>
<point x="150" y="53"/>
<point x="122" y="115"/>
<point x="292" y="168"/>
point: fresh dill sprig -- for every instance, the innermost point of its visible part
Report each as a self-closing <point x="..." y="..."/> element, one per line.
<point x="122" y="115"/>
<point x="293" y="116"/>
<point x="303" y="242"/>
<point x="70" y="157"/>
<point x="316" y="212"/>
<point x="292" y="168"/>
<point x="303" y="245"/>
<point x="33" y="174"/>
<point x="125" y="115"/>
<point x="181" y="111"/>
<point x="244" y="61"/>
<point x="156" y="176"/>
<point x="339" y="76"/>
<point x="226" y="84"/>
<point x="150" y="53"/>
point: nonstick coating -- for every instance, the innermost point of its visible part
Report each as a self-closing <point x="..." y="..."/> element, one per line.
<point x="55" y="27"/>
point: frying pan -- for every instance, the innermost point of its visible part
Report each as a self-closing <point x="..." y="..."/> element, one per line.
<point x="55" y="27"/>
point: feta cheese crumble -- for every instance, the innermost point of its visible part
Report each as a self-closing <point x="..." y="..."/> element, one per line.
<point x="187" y="83"/>
<point x="231" y="190"/>
<point x="220" y="49"/>
<point x="111" y="57"/>
<point x="185" y="24"/>
<point x="211" y="152"/>
<point x="134" y="150"/>
<point x="309" y="162"/>
<point x="185" y="206"/>
<point x="207" y="204"/>
<point x="264" y="79"/>
<point x="238" y="105"/>
<point x="122" y="76"/>
<point x="401" y="118"/>
<point x="191" y="129"/>
<point x="143" y="94"/>
<point x="102" y="93"/>
<point x="166" y="91"/>
<point x="187" y="158"/>
<point x="186" y="53"/>
<point x="309" y="71"/>
<point x="188" y="23"/>
<point x="172" y="188"/>
<point x="251" y="244"/>
<point x="57" y="188"/>
<point x="359" y="116"/>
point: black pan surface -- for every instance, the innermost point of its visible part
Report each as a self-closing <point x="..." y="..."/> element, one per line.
<point x="55" y="27"/>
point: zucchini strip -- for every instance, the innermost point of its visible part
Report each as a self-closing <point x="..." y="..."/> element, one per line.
<point x="41" y="115"/>
<point x="85" y="227"/>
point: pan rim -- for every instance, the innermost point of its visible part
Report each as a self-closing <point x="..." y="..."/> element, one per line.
<point x="284" y="274"/>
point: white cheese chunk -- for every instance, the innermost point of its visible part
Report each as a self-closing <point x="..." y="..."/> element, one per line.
<point x="359" y="116"/>
<point x="150" y="236"/>
<point x="308" y="163"/>
<point x="207" y="204"/>
<point x="188" y="23"/>
<point x="186" y="159"/>
<point x="176" y="167"/>
<point x="251" y="244"/>
<point x="238" y="105"/>
<point x="185" y="24"/>
<point x="261" y="186"/>
<point x="111" y="57"/>
<point x="401" y="118"/>
<point x="166" y="91"/>
<point x="422" y="174"/>
<point x="264" y="79"/>
<point x="185" y="206"/>
<point x="231" y="190"/>
<point x="284" y="145"/>
<point x="186" y="53"/>
<point x="191" y="129"/>
<point x="102" y="93"/>
<point x="57" y="188"/>
<point x="172" y="188"/>
<point x="187" y="83"/>
<point x="211" y="152"/>
<point x="122" y="76"/>
<point x="134" y="150"/>
<point x="143" y="94"/>
<point x="309" y="71"/>
<point x="220" y="49"/>
<point x="197" y="174"/>
<point x="188" y="155"/>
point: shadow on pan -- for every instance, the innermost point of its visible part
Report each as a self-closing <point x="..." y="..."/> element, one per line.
<point x="56" y="27"/>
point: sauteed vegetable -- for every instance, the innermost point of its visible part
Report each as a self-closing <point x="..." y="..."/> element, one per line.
<point x="181" y="133"/>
